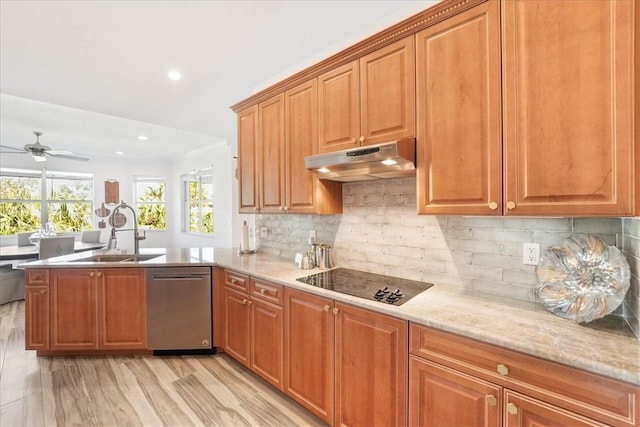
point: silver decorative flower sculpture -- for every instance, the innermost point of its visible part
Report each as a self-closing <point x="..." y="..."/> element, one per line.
<point x="583" y="280"/>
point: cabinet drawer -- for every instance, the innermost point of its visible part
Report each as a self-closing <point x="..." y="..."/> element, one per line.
<point x="37" y="277"/>
<point x="236" y="281"/>
<point x="569" y="388"/>
<point x="267" y="291"/>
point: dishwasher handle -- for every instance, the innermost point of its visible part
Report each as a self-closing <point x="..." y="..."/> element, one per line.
<point x="176" y="277"/>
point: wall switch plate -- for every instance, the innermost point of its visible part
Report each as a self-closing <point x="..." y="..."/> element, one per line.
<point x="264" y="232"/>
<point x="312" y="234"/>
<point x="531" y="253"/>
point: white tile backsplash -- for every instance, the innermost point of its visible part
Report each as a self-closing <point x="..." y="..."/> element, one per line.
<point x="380" y="232"/>
<point x="631" y="249"/>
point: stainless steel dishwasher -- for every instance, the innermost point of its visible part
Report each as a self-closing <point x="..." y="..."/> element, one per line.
<point x="179" y="309"/>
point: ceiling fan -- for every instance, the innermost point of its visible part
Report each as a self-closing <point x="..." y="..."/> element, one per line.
<point x="39" y="151"/>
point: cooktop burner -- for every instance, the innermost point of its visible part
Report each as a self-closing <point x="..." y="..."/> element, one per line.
<point x="387" y="289"/>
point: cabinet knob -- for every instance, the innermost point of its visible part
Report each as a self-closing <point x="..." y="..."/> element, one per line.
<point x="263" y="291"/>
<point x="233" y="281"/>
<point x="281" y="208"/>
<point x="491" y="400"/>
<point x="512" y="409"/>
<point x="255" y="209"/>
<point x="326" y="308"/>
<point x="91" y="273"/>
<point x="510" y="205"/>
<point x="42" y="292"/>
<point x="493" y="206"/>
<point x="244" y="301"/>
<point x="352" y="141"/>
<point x="249" y="302"/>
<point x="502" y="369"/>
<point x="286" y="208"/>
<point x="99" y="273"/>
<point x="336" y="310"/>
<point x="362" y="138"/>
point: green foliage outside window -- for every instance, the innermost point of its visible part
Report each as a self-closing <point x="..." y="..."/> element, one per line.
<point x="151" y="209"/>
<point x="21" y="201"/>
<point x="200" y="206"/>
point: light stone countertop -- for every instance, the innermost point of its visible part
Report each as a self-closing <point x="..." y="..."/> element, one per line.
<point x="518" y="325"/>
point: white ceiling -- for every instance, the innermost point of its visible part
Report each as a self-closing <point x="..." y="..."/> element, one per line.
<point x="92" y="75"/>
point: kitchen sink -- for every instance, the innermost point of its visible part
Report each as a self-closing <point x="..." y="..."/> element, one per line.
<point x="117" y="258"/>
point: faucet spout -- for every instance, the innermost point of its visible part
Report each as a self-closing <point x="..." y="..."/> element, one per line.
<point x="136" y="234"/>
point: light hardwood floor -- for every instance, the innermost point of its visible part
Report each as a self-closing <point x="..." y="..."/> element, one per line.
<point x="132" y="391"/>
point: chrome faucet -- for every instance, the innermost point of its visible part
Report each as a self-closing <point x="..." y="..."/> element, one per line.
<point x="136" y="234"/>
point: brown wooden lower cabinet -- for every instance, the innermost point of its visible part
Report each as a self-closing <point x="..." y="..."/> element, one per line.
<point x="253" y="332"/>
<point x="345" y="364"/>
<point x="457" y="381"/>
<point x="86" y="309"/>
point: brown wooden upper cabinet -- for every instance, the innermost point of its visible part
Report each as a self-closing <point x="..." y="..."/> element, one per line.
<point x="370" y="100"/>
<point x="565" y="143"/>
<point x="247" y="172"/>
<point x="271" y="154"/>
<point x="458" y="106"/>
<point x="568" y="107"/>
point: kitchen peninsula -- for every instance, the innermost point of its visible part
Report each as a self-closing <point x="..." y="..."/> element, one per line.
<point x="438" y="323"/>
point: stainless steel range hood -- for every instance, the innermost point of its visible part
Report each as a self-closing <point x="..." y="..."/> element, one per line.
<point x="393" y="159"/>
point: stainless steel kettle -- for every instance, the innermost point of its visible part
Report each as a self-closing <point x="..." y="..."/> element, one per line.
<point x="324" y="256"/>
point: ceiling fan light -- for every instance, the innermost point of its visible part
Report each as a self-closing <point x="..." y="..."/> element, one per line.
<point x="39" y="158"/>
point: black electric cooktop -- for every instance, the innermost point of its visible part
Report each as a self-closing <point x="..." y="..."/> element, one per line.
<point x="387" y="289"/>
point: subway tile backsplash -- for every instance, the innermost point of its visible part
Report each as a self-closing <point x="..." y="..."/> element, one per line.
<point x="380" y="232"/>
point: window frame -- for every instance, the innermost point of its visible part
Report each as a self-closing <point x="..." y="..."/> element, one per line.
<point x="137" y="202"/>
<point x="45" y="176"/>
<point x="185" y="180"/>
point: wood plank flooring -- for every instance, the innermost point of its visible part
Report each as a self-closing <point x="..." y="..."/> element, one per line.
<point x="132" y="391"/>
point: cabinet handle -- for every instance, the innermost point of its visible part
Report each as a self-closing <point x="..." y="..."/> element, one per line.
<point x="512" y="409"/>
<point x="326" y="308"/>
<point x="362" y="138"/>
<point x="493" y="206"/>
<point x="502" y="369"/>
<point x="99" y="273"/>
<point x="510" y="205"/>
<point x="491" y="400"/>
<point x="263" y="291"/>
<point x="92" y="274"/>
<point x="336" y="310"/>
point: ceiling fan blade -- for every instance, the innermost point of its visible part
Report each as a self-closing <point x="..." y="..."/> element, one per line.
<point x="13" y="148"/>
<point x="60" y="152"/>
<point x="67" y="156"/>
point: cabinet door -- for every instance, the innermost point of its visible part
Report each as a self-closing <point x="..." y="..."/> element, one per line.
<point x="387" y="93"/>
<point x="301" y="109"/>
<point x="568" y="116"/>
<point x="523" y="411"/>
<point x="36" y="317"/>
<point x="339" y="109"/>
<point x="73" y="323"/>
<point x="371" y="368"/>
<point x="308" y="353"/>
<point x="122" y="308"/>
<point x="459" y="106"/>
<point x="236" y="323"/>
<point x="440" y="396"/>
<point x="271" y="154"/>
<point x="266" y="340"/>
<point x="247" y="172"/>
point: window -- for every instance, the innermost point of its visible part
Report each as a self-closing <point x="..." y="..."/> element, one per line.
<point x="197" y="192"/>
<point x="151" y="203"/>
<point x="31" y="198"/>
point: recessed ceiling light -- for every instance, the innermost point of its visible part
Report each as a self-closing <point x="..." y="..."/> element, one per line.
<point x="174" y="75"/>
<point x="142" y="138"/>
<point x="323" y="170"/>
<point x="389" y="162"/>
<point x="119" y="153"/>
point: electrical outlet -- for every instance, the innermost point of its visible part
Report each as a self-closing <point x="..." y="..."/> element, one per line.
<point x="312" y="234"/>
<point x="531" y="253"/>
<point x="264" y="232"/>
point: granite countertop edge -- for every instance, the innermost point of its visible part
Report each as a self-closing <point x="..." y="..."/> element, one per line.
<point x="513" y="324"/>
